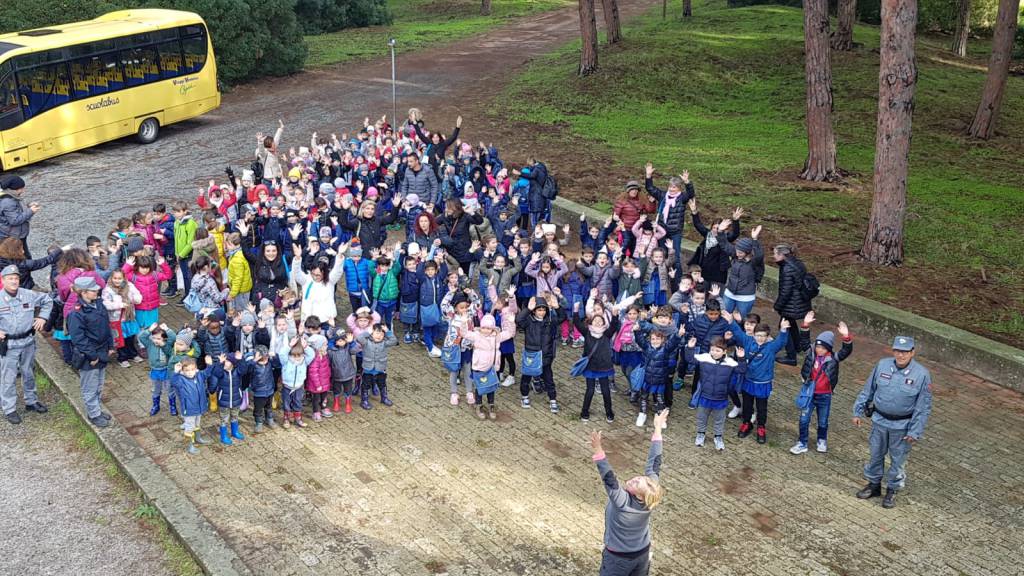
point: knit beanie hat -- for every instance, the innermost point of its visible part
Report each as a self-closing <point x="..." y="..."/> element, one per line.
<point x="317" y="341"/>
<point x="184" y="337"/>
<point x="745" y="245"/>
<point x="248" y="319"/>
<point x="488" y="321"/>
<point x="826" y="339"/>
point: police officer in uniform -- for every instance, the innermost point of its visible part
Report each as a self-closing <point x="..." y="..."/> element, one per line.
<point x="22" y="313"/>
<point x="898" y="399"/>
<point x="89" y="329"/>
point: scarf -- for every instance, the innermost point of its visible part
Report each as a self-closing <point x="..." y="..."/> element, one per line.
<point x="670" y="203"/>
<point x="128" y="312"/>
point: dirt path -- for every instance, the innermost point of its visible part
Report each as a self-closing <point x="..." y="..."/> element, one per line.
<point x="58" y="497"/>
<point x="99" y="184"/>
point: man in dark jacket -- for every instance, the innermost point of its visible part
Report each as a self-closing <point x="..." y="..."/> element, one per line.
<point x="671" y="207"/>
<point x="14" y="216"/>
<point x="89" y="328"/>
<point x="418" y="180"/>
<point x="791" y="303"/>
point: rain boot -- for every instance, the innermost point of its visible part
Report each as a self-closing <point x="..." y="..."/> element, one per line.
<point x="384" y="395"/>
<point x="365" y="396"/>
<point x="190" y="445"/>
<point x="199" y="438"/>
<point x="173" y="403"/>
<point x="376" y="389"/>
<point x="348" y="404"/>
<point x="156" y="406"/>
<point x="337" y="404"/>
<point x="235" y="432"/>
<point x="224" y="438"/>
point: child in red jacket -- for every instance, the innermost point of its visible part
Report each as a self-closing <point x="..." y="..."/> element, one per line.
<point x="318" y="377"/>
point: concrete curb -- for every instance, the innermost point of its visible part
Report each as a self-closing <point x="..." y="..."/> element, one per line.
<point x="198" y="536"/>
<point x="953" y="346"/>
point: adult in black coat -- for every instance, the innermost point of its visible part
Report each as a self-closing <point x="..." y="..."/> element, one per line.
<point x="791" y="303"/>
<point x="671" y="207"/>
<point x="269" y="273"/>
<point x="437" y="145"/>
<point x="455" y="232"/>
<point x="537" y="175"/>
<point x="713" y="261"/>
<point x="12" y="251"/>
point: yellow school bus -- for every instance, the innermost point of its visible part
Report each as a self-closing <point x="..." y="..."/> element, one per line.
<point x="72" y="86"/>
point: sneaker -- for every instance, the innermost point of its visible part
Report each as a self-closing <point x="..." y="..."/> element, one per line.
<point x="455" y="399"/>
<point x="124" y="364"/>
<point x="641" y="418"/>
<point x="822" y="446"/>
<point x="407" y="338"/>
<point x="508" y="381"/>
<point x="735" y="412"/>
<point x="577" y="343"/>
<point x="762" y="435"/>
<point x="470" y="398"/>
<point x="316" y="417"/>
<point x="480" y="412"/>
<point x="798" y="448"/>
<point x="785" y="361"/>
<point x="525" y="402"/>
<point x="719" y="443"/>
<point x="287" y="424"/>
<point x="300" y="423"/>
<point x="14" y="418"/>
<point x="699" y="440"/>
<point x="609" y="419"/>
<point x="565" y="341"/>
<point x="492" y="412"/>
<point x="163" y="301"/>
<point x="328" y="413"/>
<point x="138" y="359"/>
<point x="584" y="418"/>
<point x="554" y="406"/>
<point x="435" y="352"/>
<point x="271" y="424"/>
<point x="745" y="429"/>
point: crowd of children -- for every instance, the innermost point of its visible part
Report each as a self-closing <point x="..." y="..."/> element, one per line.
<point x="437" y="239"/>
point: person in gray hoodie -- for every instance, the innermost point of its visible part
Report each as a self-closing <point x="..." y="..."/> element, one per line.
<point x="627" y="517"/>
<point x="343" y="368"/>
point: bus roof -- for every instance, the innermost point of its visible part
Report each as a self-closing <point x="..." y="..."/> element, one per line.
<point x="113" y="24"/>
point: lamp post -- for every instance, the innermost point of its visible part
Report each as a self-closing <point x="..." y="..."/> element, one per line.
<point x="394" y="91"/>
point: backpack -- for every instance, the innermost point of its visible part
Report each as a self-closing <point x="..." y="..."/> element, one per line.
<point x="811" y="287"/>
<point x="549" y="190"/>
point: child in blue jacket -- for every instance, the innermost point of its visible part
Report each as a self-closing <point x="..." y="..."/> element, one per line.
<point x="716" y="370"/>
<point x="226" y="382"/>
<point x="189" y="385"/>
<point x="259" y="371"/>
<point x="659" y="348"/>
<point x="756" y="383"/>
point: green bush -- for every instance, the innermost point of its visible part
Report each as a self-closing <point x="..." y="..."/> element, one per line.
<point x="251" y="38"/>
<point x="320" y="16"/>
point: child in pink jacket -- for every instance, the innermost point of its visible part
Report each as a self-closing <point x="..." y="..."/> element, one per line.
<point x="144" y="274"/>
<point x="318" y="377"/>
<point x="647" y="235"/>
<point x="486" y="341"/>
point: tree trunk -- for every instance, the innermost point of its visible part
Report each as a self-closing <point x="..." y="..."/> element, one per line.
<point x="687" y="8"/>
<point x="984" y="124"/>
<point x="963" y="27"/>
<point x="611" y="20"/>
<point x="588" y="37"/>
<point x="897" y="80"/>
<point x="821" y="142"/>
<point x="842" y="40"/>
<point x="485" y="7"/>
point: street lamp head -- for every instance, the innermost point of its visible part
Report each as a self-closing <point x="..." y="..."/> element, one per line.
<point x="391" y="42"/>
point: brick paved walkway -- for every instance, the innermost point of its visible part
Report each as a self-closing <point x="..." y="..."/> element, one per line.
<point x="425" y="488"/>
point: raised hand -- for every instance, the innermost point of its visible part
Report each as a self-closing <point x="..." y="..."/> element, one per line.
<point x="649" y="169"/>
<point x="844" y="330"/>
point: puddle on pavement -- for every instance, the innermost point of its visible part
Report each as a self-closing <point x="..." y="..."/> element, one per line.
<point x="736" y="482"/>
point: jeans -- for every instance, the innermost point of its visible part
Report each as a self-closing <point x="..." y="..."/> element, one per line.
<point x="429" y="336"/>
<point x="186" y="273"/>
<point x="291" y="400"/>
<point x="884" y="440"/>
<point x="606" y="395"/>
<point x="160" y="385"/>
<point x="386" y="311"/>
<point x="91" y="380"/>
<point x="743" y="307"/>
<point x="464" y="370"/>
<point x="823" y="404"/>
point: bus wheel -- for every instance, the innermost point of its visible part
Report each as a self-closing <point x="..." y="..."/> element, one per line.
<point x="148" y="130"/>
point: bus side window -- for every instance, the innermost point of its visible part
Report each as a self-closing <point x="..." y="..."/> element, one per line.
<point x="195" y="53"/>
<point x="170" y="59"/>
<point x="41" y="88"/>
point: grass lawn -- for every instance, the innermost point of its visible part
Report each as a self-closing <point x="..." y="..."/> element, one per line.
<point x="722" y="94"/>
<point x="418" y="24"/>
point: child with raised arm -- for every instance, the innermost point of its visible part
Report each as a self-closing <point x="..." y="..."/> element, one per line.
<point x="627" y="516"/>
